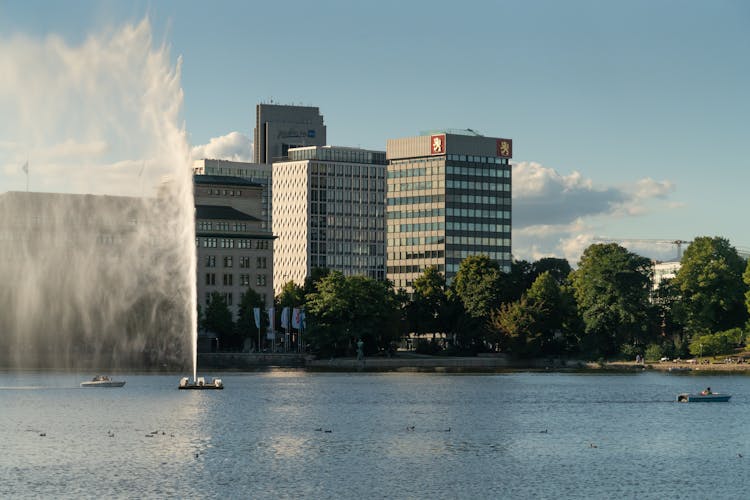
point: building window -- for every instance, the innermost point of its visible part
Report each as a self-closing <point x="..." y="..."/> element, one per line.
<point x="228" y="261"/>
<point x="227" y="280"/>
<point x="244" y="279"/>
<point x="261" y="262"/>
<point x="210" y="279"/>
<point x="260" y="280"/>
<point x="210" y="261"/>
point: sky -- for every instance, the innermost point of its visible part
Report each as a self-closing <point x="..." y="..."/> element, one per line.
<point x="629" y="119"/>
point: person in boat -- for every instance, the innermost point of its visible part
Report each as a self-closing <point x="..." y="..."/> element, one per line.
<point x="706" y="392"/>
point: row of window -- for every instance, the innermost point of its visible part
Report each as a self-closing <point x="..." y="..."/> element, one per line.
<point x="462" y="170"/>
<point x="228" y="279"/>
<point x="232" y="243"/>
<point x="346" y="183"/>
<point x="244" y="261"/>
<point x="479" y="200"/>
<point x="420" y="226"/>
<point x="339" y="208"/>
<point x="347" y="248"/>
<point x="350" y="262"/>
<point x="414" y="200"/>
<point x="346" y="235"/>
<point x="220" y="226"/>
<point x="478" y="186"/>
<point x="416" y="240"/>
<point x="415" y="214"/>
<point x="425" y="254"/>
<point x="346" y="195"/>
<point x="223" y="192"/>
<point x="354" y="221"/>
<point x="397" y="173"/>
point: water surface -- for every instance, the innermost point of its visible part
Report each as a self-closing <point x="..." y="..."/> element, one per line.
<point x="392" y="435"/>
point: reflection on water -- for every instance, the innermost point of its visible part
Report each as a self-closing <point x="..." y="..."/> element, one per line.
<point x="293" y="434"/>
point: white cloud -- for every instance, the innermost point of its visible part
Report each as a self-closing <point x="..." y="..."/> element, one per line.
<point x="233" y="146"/>
<point x="560" y="215"/>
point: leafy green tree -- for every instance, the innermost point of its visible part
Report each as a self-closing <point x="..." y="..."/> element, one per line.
<point x="533" y="325"/>
<point x="612" y="287"/>
<point x="478" y="284"/>
<point x="291" y="295"/>
<point x="428" y="302"/>
<point x="711" y="288"/>
<point x="559" y="269"/>
<point x="344" y="309"/>
<point x="218" y="319"/>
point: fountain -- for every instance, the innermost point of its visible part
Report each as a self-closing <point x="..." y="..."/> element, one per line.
<point x="97" y="237"/>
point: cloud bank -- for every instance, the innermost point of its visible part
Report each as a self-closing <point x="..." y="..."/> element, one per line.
<point x="560" y="215"/>
<point x="233" y="146"/>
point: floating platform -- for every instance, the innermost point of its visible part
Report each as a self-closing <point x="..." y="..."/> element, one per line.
<point x="201" y="384"/>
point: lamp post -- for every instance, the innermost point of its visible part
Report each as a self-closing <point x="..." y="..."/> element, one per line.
<point x="701" y="349"/>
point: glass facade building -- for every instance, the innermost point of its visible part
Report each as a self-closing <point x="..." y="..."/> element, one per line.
<point x="449" y="197"/>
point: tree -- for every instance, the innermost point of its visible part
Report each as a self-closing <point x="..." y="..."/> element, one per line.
<point x="559" y="269"/>
<point x="710" y="285"/>
<point x="533" y="325"/>
<point x="612" y="287"/>
<point x="218" y="319"/>
<point x="477" y="285"/>
<point x="428" y="302"/>
<point x="344" y="309"/>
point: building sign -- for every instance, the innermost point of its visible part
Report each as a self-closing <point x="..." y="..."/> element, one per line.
<point x="437" y="144"/>
<point x="505" y="148"/>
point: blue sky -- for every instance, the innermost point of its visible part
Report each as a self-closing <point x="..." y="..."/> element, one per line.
<point x="629" y="119"/>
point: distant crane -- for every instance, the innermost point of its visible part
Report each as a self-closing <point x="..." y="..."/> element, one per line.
<point x="677" y="243"/>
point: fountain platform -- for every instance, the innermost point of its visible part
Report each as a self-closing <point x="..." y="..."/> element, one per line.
<point x="201" y="384"/>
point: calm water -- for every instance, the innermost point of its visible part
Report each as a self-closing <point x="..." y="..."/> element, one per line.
<point x="258" y="438"/>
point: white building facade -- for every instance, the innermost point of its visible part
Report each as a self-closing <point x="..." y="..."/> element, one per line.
<point x="329" y="212"/>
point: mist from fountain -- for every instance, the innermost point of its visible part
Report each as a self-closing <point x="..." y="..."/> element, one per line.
<point x="97" y="259"/>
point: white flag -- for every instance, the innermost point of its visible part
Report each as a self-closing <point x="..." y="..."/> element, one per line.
<point x="25" y="167"/>
<point x="285" y="318"/>
<point x="256" y="313"/>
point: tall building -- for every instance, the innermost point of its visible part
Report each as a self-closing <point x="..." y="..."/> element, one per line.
<point x="279" y="128"/>
<point x="329" y="212"/>
<point x="449" y="197"/>
<point x="259" y="173"/>
<point x="234" y="251"/>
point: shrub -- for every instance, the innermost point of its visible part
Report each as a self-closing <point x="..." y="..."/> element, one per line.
<point x="654" y="352"/>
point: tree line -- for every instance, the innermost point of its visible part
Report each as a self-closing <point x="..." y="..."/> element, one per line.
<point x="607" y="307"/>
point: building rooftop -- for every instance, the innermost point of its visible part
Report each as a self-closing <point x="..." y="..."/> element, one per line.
<point x="224" y="180"/>
<point x="221" y="212"/>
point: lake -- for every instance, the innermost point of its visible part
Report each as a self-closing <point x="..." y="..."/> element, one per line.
<point x="392" y="435"/>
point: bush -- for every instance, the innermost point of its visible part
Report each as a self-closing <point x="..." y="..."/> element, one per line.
<point x="427" y="347"/>
<point x="654" y="352"/>
<point x="716" y="343"/>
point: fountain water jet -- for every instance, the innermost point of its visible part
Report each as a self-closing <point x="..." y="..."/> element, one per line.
<point x="98" y="260"/>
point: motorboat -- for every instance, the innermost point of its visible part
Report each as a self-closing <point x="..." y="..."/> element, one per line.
<point x="201" y="383"/>
<point x="714" y="397"/>
<point x="103" y="381"/>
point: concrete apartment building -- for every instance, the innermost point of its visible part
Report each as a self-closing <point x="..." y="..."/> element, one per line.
<point x="234" y="250"/>
<point x="329" y="212"/>
<point x="449" y="197"/>
<point x="280" y="127"/>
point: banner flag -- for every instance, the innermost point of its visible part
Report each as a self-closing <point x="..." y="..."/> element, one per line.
<point x="256" y="313"/>
<point x="285" y="318"/>
<point x="296" y="323"/>
<point x="25" y="167"/>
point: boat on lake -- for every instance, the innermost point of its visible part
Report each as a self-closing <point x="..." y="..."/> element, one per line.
<point x="714" y="397"/>
<point x="201" y="384"/>
<point x="103" y="381"/>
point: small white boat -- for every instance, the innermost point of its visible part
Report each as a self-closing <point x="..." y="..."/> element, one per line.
<point x="103" y="381"/>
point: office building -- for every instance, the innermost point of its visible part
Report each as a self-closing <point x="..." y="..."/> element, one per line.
<point x="234" y="250"/>
<point x="259" y="173"/>
<point x="329" y="212"/>
<point x="449" y="197"/>
<point x="279" y="128"/>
